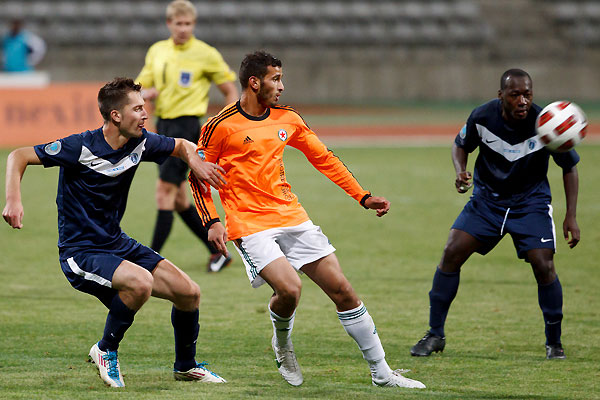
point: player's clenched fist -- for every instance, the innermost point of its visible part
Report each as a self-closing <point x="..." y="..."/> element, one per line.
<point x="13" y="215"/>
<point x="380" y="204"/>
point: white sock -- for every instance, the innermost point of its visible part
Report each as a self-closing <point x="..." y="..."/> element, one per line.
<point x="359" y="325"/>
<point x="282" y="328"/>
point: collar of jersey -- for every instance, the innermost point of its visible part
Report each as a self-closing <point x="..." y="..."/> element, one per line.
<point x="252" y="117"/>
<point x="184" y="46"/>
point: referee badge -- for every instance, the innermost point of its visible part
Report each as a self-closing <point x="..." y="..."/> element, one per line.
<point x="282" y="135"/>
<point x="185" y="79"/>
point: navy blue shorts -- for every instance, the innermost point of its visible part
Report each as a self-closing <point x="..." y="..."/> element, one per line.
<point x="91" y="270"/>
<point x="174" y="170"/>
<point x="531" y="226"/>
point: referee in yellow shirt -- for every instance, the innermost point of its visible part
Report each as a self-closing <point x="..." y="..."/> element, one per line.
<point x="177" y="75"/>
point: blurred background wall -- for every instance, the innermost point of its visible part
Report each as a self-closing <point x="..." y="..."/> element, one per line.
<point x="343" y="51"/>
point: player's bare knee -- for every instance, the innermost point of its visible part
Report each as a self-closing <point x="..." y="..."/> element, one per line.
<point x="140" y="285"/>
<point x="185" y="295"/>
<point x="343" y="293"/>
<point x="544" y="271"/>
<point x="290" y="292"/>
<point x="192" y="296"/>
<point x="449" y="263"/>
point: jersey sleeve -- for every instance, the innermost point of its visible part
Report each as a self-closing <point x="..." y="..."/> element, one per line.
<point x="468" y="137"/>
<point x="145" y="78"/>
<point x="217" y="69"/>
<point x="63" y="152"/>
<point x="209" y="147"/>
<point x="566" y="160"/>
<point x="326" y="162"/>
<point x="158" y="147"/>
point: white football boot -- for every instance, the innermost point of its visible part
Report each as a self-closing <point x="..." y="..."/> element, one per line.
<point x="108" y="366"/>
<point x="397" y="380"/>
<point x="198" y="373"/>
<point x="287" y="364"/>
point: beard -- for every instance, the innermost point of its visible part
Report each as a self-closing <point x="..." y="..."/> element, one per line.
<point x="264" y="98"/>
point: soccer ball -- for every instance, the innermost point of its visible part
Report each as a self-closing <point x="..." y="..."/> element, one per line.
<point x="561" y="126"/>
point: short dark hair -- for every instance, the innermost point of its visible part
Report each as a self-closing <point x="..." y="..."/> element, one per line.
<point x="513" y="72"/>
<point x="256" y="64"/>
<point x="113" y="95"/>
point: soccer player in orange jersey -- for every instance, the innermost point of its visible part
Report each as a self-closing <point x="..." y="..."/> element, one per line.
<point x="271" y="231"/>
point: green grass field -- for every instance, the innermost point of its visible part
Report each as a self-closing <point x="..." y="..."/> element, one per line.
<point x="495" y="339"/>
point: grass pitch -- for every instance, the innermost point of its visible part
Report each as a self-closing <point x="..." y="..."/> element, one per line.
<point x="495" y="339"/>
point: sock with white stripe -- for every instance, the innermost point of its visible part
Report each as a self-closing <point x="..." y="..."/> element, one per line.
<point x="119" y="319"/>
<point x="282" y="328"/>
<point x="360" y="326"/>
<point x="186" y="328"/>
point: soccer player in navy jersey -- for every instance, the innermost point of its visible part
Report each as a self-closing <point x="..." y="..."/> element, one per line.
<point x="96" y="256"/>
<point x="511" y="195"/>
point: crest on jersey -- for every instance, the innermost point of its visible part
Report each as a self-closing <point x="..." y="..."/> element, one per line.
<point x="134" y="157"/>
<point x="282" y="135"/>
<point x="185" y="79"/>
<point x="463" y="132"/>
<point x="202" y="155"/>
<point x="531" y="144"/>
<point x="53" y="148"/>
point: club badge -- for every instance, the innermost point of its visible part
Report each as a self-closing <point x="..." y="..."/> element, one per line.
<point x="282" y="135"/>
<point x="53" y="148"/>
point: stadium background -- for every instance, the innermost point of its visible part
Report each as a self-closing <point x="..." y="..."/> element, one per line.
<point x="396" y="67"/>
<point x="374" y="74"/>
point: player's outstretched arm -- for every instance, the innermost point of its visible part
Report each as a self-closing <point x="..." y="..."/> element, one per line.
<point x="16" y="164"/>
<point x="571" y="184"/>
<point x="204" y="171"/>
<point x="217" y="236"/>
<point x="379" y="204"/>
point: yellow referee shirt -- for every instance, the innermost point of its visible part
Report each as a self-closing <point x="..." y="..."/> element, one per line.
<point x="183" y="74"/>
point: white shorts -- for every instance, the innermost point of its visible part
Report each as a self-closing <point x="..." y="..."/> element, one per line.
<point x="300" y="244"/>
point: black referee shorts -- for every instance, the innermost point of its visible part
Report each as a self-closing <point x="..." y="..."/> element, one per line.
<point x="174" y="170"/>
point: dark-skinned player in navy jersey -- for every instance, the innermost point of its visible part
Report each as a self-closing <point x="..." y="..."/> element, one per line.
<point x="511" y="195"/>
<point x="96" y="170"/>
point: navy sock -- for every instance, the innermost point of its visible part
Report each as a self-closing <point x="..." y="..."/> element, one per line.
<point x="443" y="291"/>
<point x="119" y="319"/>
<point x="192" y="220"/>
<point x="162" y="229"/>
<point x="185" y="326"/>
<point x="550" y="298"/>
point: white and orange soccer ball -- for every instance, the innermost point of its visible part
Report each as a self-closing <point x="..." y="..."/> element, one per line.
<point x="561" y="126"/>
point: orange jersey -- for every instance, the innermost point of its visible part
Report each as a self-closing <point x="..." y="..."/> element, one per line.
<point x="250" y="149"/>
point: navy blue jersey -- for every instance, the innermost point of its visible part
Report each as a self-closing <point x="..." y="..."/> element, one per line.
<point x="512" y="164"/>
<point x="94" y="183"/>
